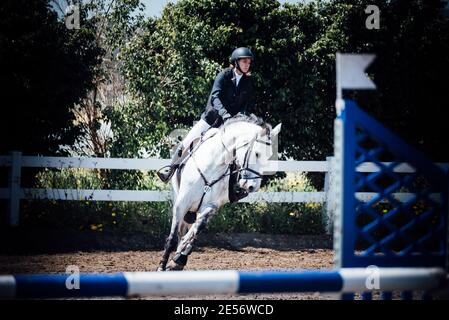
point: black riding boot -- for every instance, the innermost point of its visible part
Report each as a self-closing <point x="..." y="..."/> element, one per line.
<point x="165" y="173"/>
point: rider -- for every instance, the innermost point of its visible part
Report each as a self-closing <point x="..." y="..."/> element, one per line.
<point x="231" y="93"/>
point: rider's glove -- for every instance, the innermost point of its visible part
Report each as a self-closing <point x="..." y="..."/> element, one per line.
<point x="224" y="114"/>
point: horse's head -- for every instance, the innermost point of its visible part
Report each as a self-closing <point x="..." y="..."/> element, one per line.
<point x="255" y="155"/>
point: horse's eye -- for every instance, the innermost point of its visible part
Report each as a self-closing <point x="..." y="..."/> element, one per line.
<point x="257" y="154"/>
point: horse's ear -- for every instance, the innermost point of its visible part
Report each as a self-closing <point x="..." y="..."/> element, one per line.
<point x="265" y="131"/>
<point x="276" y="130"/>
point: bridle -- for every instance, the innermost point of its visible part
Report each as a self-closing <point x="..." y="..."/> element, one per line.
<point x="245" y="168"/>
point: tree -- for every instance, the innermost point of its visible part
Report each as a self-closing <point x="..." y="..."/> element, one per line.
<point x="169" y="69"/>
<point x="113" y="22"/>
<point x="46" y="69"/>
<point x="410" y="70"/>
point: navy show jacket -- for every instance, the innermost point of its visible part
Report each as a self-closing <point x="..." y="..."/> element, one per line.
<point x="225" y="94"/>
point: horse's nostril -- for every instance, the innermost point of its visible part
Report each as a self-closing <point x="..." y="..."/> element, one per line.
<point x="251" y="189"/>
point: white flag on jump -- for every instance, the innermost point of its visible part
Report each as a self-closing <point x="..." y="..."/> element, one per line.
<point x="351" y="74"/>
<point x="351" y="71"/>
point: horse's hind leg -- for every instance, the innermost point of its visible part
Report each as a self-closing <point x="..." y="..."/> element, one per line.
<point x="186" y="244"/>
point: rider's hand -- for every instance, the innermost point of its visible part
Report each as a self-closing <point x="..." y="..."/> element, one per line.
<point x="226" y="116"/>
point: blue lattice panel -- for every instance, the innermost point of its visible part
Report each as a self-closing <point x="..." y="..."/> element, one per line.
<point x="396" y="215"/>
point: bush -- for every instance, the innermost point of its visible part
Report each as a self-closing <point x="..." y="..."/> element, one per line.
<point x="154" y="218"/>
<point x="276" y="218"/>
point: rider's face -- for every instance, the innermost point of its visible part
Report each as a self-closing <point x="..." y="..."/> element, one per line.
<point x="244" y="64"/>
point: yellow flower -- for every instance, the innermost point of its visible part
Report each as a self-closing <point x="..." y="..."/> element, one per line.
<point x="114" y="222"/>
<point x="113" y="214"/>
<point x="291" y="214"/>
<point x="87" y="202"/>
<point x="384" y="210"/>
<point x="93" y="227"/>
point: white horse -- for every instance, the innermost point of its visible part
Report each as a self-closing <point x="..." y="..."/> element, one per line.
<point x="203" y="188"/>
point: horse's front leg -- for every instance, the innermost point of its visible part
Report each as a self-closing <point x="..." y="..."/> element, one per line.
<point x="170" y="245"/>
<point x="172" y="239"/>
<point x="185" y="246"/>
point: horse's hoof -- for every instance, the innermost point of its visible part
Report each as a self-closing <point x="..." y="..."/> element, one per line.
<point x="173" y="266"/>
<point x="160" y="269"/>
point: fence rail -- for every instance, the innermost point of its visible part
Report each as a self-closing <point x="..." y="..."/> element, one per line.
<point x="15" y="162"/>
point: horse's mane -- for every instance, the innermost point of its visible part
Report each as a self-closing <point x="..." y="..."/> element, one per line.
<point x="252" y="118"/>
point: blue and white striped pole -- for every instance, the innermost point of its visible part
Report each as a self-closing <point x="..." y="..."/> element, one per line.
<point x="130" y="284"/>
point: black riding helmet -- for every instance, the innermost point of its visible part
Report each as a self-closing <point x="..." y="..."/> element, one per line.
<point x="241" y="53"/>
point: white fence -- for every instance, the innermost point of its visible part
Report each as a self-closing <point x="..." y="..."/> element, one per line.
<point x="14" y="193"/>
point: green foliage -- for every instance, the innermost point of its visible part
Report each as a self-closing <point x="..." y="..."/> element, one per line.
<point x="99" y="179"/>
<point x="170" y="68"/>
<point x="265" y="217"/>
<point x="272" y="218"/>
<point x="412" y="63"/>
<point x="119" y="218"/>
<point x="85" y="215"/>
<point x="46" y="69"/>
<point x="115" y="21"/>
<point x="69" y="179"/>
<point x="154" y="218"/>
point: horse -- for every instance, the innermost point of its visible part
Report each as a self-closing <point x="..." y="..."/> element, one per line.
<point x="201" y="186"/>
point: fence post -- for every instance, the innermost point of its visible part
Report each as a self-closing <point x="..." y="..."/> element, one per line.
<point x="328" y="207"/>
<point x="14" y="188"/>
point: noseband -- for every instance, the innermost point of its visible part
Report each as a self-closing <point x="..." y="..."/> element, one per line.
<point x="245" y="167"/>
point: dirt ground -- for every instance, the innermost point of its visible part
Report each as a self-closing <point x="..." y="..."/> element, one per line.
<point x="242" y="252"/>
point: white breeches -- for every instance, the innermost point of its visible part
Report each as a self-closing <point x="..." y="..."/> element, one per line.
<point x="196" y="131"/>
